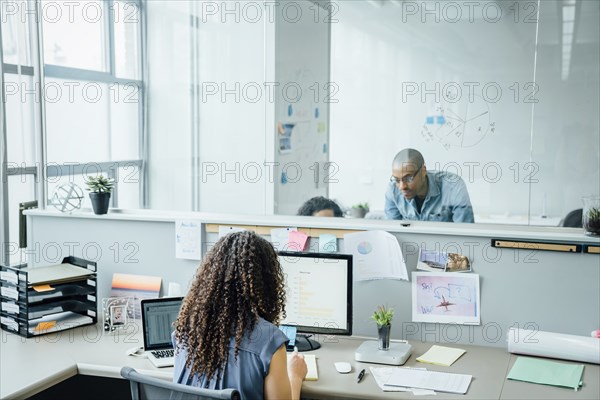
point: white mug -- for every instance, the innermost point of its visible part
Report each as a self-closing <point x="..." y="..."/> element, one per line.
<point x="174" y="289"/>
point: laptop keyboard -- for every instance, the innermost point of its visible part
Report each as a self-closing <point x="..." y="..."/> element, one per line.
<point x="163" y="353"/>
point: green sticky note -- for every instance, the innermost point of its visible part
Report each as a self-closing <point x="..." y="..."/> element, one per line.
<point x="327" y="243"/>
<point x="546" y="372"/>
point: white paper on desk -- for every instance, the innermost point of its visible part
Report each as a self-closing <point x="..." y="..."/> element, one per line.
<point x="433" y="380"/>
<point x="188" y="240"/>
<point x="280" y="238"/>
<point x="382" y="375"/>
<point x="376" y="255"/>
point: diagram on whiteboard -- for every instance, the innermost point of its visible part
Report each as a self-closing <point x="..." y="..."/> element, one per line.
<point x="461" y="124"/>
<point x="298" y="93"/>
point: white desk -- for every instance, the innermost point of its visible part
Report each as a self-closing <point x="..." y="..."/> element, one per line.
<point x="509" y="219"/>
<point x="29" y="366"/>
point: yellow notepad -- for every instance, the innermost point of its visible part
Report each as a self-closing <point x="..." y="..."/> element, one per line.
<point x="311" y="364"/>
<point x="441" y="355"/>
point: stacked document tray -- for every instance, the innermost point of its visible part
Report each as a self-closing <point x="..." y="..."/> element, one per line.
<point x="39" y="300"/>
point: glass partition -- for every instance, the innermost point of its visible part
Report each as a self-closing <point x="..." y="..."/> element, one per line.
<point x="454" y="81"/>
<point x="566" y="135"/>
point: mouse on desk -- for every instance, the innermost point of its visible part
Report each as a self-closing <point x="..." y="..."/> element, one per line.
<point x="343" y="367"/>
<point x="136" y="352"/>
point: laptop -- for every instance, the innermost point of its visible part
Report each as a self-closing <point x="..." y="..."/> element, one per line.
<point x="158" y="316"/>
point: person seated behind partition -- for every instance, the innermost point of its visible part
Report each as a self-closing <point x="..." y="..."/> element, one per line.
<point x="417" y="194"/>
<point x="226" y="333"/>
<point x="320" y="207"/>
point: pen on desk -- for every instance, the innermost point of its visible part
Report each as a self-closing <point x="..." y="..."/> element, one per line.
<point x="360" y="376"/>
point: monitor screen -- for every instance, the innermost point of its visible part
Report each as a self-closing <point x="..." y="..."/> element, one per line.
<point x="158" y="317"/>
<point x="318" y="292"/>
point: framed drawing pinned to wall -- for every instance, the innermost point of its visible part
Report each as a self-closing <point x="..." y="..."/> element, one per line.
<point x="446" y="297"/>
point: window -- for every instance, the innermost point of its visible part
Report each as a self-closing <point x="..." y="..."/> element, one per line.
<point x="91" y="89"/>
<point x="75" y="34"/>
<point x="20" y="126"/>
<point x="93" y="93"/>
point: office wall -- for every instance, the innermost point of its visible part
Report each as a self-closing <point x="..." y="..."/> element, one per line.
<point x="131" y="247"/>
<point x="550" y="291"/>
<point x="207" y="105"/>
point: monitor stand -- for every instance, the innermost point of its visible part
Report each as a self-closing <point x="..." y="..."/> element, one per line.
<point x="304" y="343"/>
<point x="369" y="352"/>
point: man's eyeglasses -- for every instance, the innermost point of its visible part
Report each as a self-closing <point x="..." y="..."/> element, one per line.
<point x="406" y="178"/>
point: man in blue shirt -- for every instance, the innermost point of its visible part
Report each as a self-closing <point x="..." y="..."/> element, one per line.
<point x="417" y="194"/>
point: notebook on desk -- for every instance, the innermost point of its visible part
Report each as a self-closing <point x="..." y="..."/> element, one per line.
<point x="311" y="365"/>
<point x="158" y="317"/>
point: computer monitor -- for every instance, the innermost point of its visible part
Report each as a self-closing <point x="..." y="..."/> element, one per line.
<point x="318" y="295"/>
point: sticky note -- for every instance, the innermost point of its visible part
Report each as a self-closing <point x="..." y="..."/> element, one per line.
<point x="42" y="326"/>
<point x="280" y="237"/>
<point x="441" y="355"/>
<point x="42" y="288"/>
<point x="297" y="240"/>
<point x="327" y="243"/>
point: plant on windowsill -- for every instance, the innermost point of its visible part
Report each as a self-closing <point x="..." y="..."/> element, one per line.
<point x="383" y="318"/>
<point x="591" y="221"/>
<point x="100" y="188"/>
<point x="359" y="210"/>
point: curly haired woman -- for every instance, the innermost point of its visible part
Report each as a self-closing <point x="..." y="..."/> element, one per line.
<point x="226" y="334"/>
<point x="320" y="207"/>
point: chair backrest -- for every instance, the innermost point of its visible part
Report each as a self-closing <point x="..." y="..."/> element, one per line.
<point x="573" y="219"/>
<point x="144" y="387"/>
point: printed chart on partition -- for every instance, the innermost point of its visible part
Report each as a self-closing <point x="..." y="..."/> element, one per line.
<point x="316" y="294"/>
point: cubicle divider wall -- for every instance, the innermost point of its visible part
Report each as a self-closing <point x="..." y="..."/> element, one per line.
<point x="520" y="288"/>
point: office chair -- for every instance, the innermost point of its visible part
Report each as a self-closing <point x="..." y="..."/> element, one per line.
<point x="144" y="387"/>
<point x="573" y="219"/>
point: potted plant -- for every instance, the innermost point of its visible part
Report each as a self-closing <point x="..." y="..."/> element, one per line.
<point x="383" y="318"/>
<point x="591" y="221"/>
<point x="100" y="188"/>
<point x="591" y="215"/>
<point x="359" y="210"/>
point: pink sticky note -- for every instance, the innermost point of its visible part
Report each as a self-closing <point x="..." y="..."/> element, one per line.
<point x="297" y="240"/>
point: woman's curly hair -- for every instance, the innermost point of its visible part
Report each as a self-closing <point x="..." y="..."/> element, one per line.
<point x="239" y="280"/>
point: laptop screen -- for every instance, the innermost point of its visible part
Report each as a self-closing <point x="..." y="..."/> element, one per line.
<point x="158" y="316"/>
